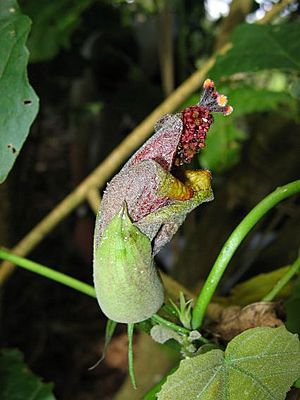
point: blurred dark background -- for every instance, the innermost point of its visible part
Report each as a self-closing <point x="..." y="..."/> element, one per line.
<point x="99" y="68"/>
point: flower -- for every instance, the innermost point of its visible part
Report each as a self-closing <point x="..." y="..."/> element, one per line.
<point x="151" y="183"/>
<point x="144" y="205"/>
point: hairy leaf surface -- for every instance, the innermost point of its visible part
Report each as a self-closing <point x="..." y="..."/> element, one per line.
<point x="260" y="364"/>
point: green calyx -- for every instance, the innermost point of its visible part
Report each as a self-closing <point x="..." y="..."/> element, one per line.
<point x="127" y="284"/>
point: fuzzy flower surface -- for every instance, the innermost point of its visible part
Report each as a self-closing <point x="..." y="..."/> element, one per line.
<point x="158" y="193"/>
<point x="143" y="207"/>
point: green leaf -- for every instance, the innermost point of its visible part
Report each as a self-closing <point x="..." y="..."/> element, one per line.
<point x="246" y="100"/>
<point x="254" y="289"/>
<point x="223" y="145"/>
<point x="17" y="382"/>
<point x="297" y="383"/>
<point x="295" y="88"/>
<point x="53" y="23"/>
<point x="18" y="102"/>
<point x="259" y="47"/>
<point x="152" y="393"/>
<point x="224" y="140"/>
<point x="260" y="364"/>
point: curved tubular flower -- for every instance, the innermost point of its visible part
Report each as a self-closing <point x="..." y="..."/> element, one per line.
<point x="143" y="207"/>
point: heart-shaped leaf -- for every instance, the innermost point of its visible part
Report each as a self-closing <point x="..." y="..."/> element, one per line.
<point x="260" y="364"/>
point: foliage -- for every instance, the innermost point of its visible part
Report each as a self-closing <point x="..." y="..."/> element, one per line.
<point x="259" y="47"/>
<point x="226" y="135"/>
<point x="237" y="373"/>
<point x="17" y="382"/>
<point x="254" y="48"/>
<point x="19" y="103"/>
<point x="248" y="99"/>
<point x="224" y="142"/>
<point x="259" y="363"/>
<point x="256" y="288"/>
<point x="53" y="23"/>
<point x="223" y="146"/>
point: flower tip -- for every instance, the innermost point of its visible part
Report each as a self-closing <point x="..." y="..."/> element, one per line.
<point x="222" y="100"/>
<point x="212" y="100"/>
<point x="208" y="84"/>
<point x="228" y="110"/>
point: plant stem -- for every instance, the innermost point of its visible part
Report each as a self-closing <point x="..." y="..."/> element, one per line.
<point x="162" y="321"/>
<point x="101" y="174"/>
<point x="130" y="328"/>
<point x="233" y="243"/>
<point x="48" y="273"/>
<point x="180" y="329"/>
<point x="275" y="10"/>
<point x="294" y="268"/>
<point x="72" y="282"/>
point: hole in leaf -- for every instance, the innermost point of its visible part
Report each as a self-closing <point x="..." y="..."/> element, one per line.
<point x="12" y="148"/>
<point x="27" y="102"/>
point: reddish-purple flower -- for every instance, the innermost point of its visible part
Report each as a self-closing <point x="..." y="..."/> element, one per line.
<point x="143" y="206"/>
<point x="158" y="194"/>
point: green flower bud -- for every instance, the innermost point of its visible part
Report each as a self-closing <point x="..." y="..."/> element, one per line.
<point x="127" y="284"/>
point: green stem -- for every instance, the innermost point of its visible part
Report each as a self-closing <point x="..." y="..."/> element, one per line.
<point x="130" y="328"/>
<point x="48" y="273"/>
<point x="109" y="332"/>
<point x="294" y="268"/>
<point x="180" y="329"/>
<point x="233" y="243"/>
<point x="161" y="321"/>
